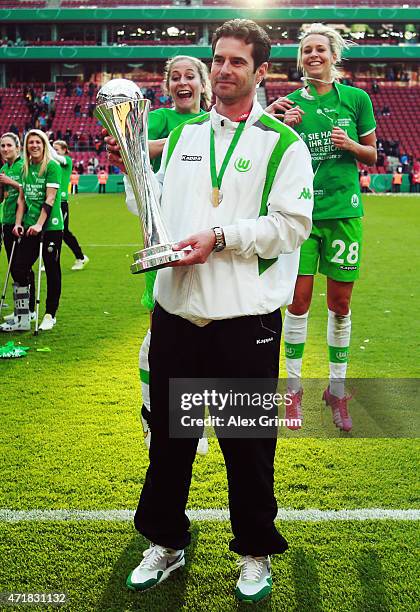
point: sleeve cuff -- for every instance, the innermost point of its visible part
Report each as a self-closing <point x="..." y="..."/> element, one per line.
<point x="368" y="132"/>
<point x="55" y="185"/>
<point x="232" y="238"/>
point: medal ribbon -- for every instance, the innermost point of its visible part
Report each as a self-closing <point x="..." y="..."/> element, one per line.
<point x="316" y="97"/>
<point x="216" y="179"/>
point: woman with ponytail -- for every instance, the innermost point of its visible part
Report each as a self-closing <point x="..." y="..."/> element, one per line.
<point x="10" y="176"/>
<point x="338" y="126"/>
<point x="38" y="215"/>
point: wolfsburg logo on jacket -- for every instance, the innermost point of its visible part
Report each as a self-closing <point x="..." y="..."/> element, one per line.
<point x="191" y="158"/>
<point x="243" y="165"/>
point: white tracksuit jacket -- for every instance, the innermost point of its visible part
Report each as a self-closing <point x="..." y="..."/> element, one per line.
<point x="258" y="226"/>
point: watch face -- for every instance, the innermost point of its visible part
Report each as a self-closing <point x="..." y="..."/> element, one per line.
<point x="219" y="245"/>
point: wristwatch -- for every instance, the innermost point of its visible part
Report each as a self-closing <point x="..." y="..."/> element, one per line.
<point x="220" y="243"/>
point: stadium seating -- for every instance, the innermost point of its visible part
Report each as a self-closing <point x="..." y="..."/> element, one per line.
<point x="179" y="41"/>
<point x="14" y="109"/>
<point x="27" y="4"/>
<point x="402" y="100"/>
<point x="404" y="107"/>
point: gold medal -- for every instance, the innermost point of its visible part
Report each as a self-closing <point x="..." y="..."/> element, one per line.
<point x="215" y="197"/>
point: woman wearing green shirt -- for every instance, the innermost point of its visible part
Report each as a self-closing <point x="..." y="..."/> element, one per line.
<point x="186" y="80"/>
<point x="61" y="149"/>
<point x="38" y="211"/>
<point x="337" y="123"/>
<point x="10" y="181"/>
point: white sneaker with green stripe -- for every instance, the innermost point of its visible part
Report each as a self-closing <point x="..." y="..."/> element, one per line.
<point x="255" y="581"/>
<point x="157" y="565"/>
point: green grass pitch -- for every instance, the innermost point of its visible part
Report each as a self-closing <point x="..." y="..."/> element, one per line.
<point x="70" y="439"/>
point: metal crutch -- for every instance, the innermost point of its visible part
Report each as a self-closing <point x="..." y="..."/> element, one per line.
<point x="9" y="267"/>
<point x="38" y="287"/>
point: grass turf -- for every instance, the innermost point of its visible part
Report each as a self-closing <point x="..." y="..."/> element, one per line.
<point x="71" y="439"/>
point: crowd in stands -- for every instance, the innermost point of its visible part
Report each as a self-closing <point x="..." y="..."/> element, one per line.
<point x="68" y="114"/>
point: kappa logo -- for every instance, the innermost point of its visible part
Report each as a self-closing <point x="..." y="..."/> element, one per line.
<point x="306" y="194"/>
<point x="264" y="340"/>
<point x="191" y="158"/>
<point x="243" y="165"/>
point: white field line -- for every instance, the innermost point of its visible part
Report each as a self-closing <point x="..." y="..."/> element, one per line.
<point x="392" y="195"/>
<point x="129" y="244"/>
<point x="212" y="514"/>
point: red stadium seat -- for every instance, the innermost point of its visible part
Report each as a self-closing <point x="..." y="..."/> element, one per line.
<point x="402" y="99"/>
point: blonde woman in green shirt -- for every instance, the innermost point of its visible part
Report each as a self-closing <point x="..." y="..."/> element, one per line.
<point x="10" y="174"/>
<point x="38" y="213"/>
<point x="61" y="149"/>
<point x="337" y="123"/>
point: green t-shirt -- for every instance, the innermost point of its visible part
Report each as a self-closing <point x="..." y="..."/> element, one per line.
<point x="35" y="191"/>
<point x="161" y="123"/>
<point x="10" y="197"/>
<point x="65" y="178"/>
<point x="336" y="178"/>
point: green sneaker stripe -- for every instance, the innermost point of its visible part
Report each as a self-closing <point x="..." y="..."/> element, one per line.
<point x="256" y="596"/>
<point x="143" y="585"/>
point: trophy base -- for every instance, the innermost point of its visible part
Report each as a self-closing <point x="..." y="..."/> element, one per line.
<point x="155" y="257"/>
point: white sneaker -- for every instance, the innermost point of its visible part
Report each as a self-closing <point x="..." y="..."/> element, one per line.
<point x="79" y="264"/>
<point x="48" y="322"/>
<point x="21" y="323"/>
<point x="12" y="317"/>
<point x="157" y="565"/>
<point x="203" y="446"/>
<point x="255" y="581"/>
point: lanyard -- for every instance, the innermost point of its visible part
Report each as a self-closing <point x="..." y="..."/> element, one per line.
<point x="318" y="100"/>
<point x="319" y="111"/>
<point x="216" y="179"/>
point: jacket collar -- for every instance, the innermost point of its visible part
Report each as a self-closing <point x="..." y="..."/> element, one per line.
<point x="219" y="121"/>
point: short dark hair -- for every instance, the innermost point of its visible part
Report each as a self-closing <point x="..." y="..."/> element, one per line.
<point x="249" y="32"/>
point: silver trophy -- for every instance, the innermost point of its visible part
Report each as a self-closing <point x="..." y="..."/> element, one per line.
<point x="123" y="111"/>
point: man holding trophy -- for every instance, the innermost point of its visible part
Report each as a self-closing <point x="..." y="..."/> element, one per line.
<point x="230" y="191"/>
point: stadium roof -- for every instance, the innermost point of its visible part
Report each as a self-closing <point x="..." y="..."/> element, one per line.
<point x="325" y="14"/>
